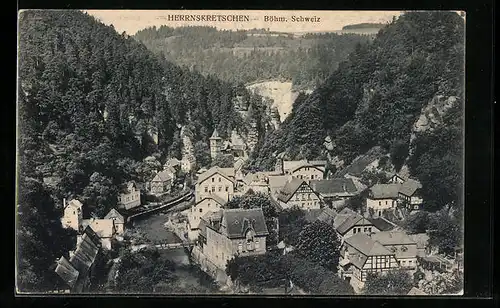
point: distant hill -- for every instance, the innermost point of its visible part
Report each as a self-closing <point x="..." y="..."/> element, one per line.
<point x="245" y="56"/>
<point x="365" y="25"/>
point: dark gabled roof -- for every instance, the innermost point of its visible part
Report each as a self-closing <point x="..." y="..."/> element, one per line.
<point x="289" y="189"/>
<point x="116" y="215"/>
<point x="85" y="254"/>
<point x="333" y="186"/>
<point x="385" y="191"/>
<point x="93" y="236"/>
<point x="367" y="245"/>
<point x="68" y="273"/>
<point x="381" y="224"/>
<point x="351" y="221"/>
<point x="238" y="221"/>
<point x="409" y="187"/>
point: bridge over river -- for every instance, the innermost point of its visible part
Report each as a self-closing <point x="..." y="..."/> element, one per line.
<point x="165" y="206"/>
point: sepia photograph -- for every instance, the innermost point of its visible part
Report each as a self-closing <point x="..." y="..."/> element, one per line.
<point x="240" y="152"/>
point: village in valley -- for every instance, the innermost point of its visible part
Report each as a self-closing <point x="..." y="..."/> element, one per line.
<point x="195" y="220"/>
<point x="198" y="159"/>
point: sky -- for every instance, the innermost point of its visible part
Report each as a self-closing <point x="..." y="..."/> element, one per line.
<point x="131" y="21"/>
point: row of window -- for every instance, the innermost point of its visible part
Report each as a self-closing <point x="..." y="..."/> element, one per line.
<point x="129" y="198"/>
<point x="365" y="230"/>
<point x="380" y="202"/>
<point x="305" y="177"/>
<point x="220" y="180"/>
<point x="214" y="187"/>
<point x="302" y="196"/>
<point x="304" y="204"/>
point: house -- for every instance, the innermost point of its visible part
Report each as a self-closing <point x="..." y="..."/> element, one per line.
<point x="187" y="163"/>
<point x="360" y="255"/>
<point x="416" y="291"/>
<point x="422" y="240"/>
<point x="410" y="192"/>
<point x="235" y="146"/>
<point x="348" y="223"/>
<point x="382" y="197"/>
<point x="208" y="204"/>
<point x="104" y="228"/>
<point x="232" y="232"/>
<point x="276" y="183"/>
<point x="162" y="182"/>
<point x="76" y="271"/>
<point x="403" y="247"/>
<point x="172" y="163"/>
<point x="298" y="193"/>
<point x="129" y="197"/>
<point x="334" y="189"/>
<point x="72" y="215"/>
<point x="256" y="182"/>
<point x="118" y="219"/>
<point x="216" y="181"/>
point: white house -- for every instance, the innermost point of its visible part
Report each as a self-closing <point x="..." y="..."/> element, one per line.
<point x="104" y="228"/>
<point x="410" y="191"/>
<point x="298" y="193"/>
<point x="118" y="219"/>
<point x="73" y="216"/>
<point x="207" y="205"/>
<point x="215" y="181"/>
<point x="130" y="196"/>
<point x="382" y="197"/>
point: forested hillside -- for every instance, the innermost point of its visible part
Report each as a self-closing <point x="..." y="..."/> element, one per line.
<point x="246" y="56"/>
<point x="91" y="104"/>
<point x="375" y="99"/>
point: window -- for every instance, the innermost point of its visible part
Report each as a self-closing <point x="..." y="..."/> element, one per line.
<point x="354" y="231"/>
<point x="297" y="197"/>
<point x="257" y="245"/>
<point x="227" y="188"/>
<point x="220" y="188"/>
<point x="370" y="229"/>
<point x="201" y="210"/>
<point x="240" y="247"/>
<point x="74" y="213"/>
<point x="308" y="196"/>
<point x="220" y="179"/>
<point x="303" y="204"/>
<point x="380" y="203"/>
<point x="213" y="188"/>
<point x="206" y="188"/>
<point x="213" y="180"/>
<point x="385" y="202"/>
<point x="365" y="229"/>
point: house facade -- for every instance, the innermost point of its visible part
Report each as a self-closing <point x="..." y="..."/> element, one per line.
<point x="348" y="223"/>
<point x="298" y="193"/>
<point x="162" y="182"/>
<point x="130" y="196"/>
<point x="118" y="221"/>
<point x="73" y="215"/>
<point x="410" y="191"/>
<point x="360" y="255"/>
<point x="229" y="233"/>
<point x="337" y="189"/>
<point x="383" y="197"/>
<point x="207" y="205"/>
<point x="215" y="181"/>
<point x="403" y="247"/>
<point x="104" y="228"/>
